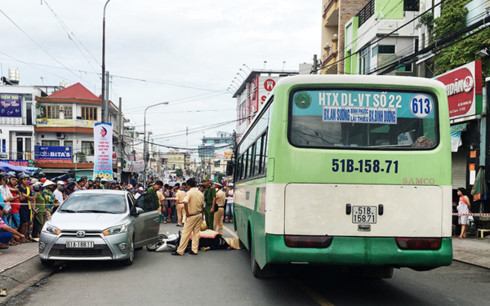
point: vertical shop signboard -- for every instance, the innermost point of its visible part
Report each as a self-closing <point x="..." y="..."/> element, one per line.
<point x="103" y="151"/>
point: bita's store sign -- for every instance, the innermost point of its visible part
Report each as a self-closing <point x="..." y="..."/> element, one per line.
<point x="464" y="90"/>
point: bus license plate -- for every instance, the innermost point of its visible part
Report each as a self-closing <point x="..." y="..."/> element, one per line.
<point x="79" y="244"/>
<point x="364" y="214"/>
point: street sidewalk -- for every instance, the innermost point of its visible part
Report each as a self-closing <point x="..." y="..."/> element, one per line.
<point x="473" y="250"/>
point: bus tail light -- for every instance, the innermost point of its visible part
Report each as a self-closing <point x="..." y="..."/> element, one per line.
<point x="308" y="241"/>
<point x="419" y="243"/>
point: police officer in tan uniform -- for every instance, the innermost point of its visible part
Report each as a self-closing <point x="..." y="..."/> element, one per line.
<point x="193" y="206"/>
<point x="179" y="196"/>
<point x="220" y="211"/>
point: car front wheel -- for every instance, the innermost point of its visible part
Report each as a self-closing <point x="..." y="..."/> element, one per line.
<point x="130" y="259"/>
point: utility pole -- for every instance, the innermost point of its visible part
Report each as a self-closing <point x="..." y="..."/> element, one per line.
<point x="104" y="108"/>
<point x="120" y="141"/>
<point x="106" y="100"/>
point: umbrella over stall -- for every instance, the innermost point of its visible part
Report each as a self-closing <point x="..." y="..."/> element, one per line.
<point x="6" y="167"/>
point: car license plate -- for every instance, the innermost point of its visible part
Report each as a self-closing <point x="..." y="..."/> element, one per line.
<point x="364" y="214"/>
<point x="79" y="244"/>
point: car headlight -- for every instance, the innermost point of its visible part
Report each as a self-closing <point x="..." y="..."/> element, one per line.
<point x="48" y="228"/>
<point x="123" y="228"/>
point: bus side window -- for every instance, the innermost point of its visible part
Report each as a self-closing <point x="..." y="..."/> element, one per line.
<point x="252" y="160"/>
<point x="258" y="156"/>
<point x="264" y="144"/>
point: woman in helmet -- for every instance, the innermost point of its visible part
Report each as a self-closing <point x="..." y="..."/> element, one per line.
<point x="39" y="211"/>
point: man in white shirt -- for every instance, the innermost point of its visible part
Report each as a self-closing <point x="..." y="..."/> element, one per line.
<point x="58" y="194"/>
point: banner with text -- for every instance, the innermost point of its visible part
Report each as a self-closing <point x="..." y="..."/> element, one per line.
<point x="103" y="151"/>
<point x="54" y="154"/>
<point x="10" y="105"/>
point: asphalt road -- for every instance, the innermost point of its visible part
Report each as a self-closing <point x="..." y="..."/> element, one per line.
<point x="224" y="277"/>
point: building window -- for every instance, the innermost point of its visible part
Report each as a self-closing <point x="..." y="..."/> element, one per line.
<point x="51" y="143"/>
<point x="88" y="148"/>
<point x="364" y="61"/>
<point x="386" y="49"/>
<point x="411" y="5"/>
<point x="69" y="143"/>
<point x="89" y="113"/>
<point x="405" y="68"/>
<point x="68" y="110"/>
<point x="51" y="111"/>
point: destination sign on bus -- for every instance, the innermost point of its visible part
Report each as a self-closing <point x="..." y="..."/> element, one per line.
<point x="358" y="106"/>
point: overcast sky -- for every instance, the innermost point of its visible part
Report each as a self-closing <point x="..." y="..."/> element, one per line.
<point x="184" y="52"/>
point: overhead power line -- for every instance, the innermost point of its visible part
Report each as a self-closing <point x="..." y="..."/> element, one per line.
<point x="36" y="43"/>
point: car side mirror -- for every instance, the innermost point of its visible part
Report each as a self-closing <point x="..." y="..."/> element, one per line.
<point x="136" y="211"/>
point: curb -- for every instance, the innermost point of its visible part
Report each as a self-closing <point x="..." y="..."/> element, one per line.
<point x="21" y="277"/>
<point x="471" y="264"/>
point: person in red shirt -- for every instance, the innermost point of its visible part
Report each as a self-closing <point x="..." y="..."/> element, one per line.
<point x="15" y="204"/>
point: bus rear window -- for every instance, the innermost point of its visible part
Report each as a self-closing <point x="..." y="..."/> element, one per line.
<point x="363" y="119"/>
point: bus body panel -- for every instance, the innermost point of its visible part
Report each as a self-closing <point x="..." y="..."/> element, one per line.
<point x="408" y="211"/>
<point x="358" y="251"/>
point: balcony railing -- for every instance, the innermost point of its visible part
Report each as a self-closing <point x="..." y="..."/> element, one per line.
<point x="366" y="12"/>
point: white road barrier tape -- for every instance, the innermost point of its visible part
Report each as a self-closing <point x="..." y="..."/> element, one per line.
<point x="474" y="215"/>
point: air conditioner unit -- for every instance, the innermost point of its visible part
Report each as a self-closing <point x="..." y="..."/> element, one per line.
<point x="3" y="155"/>
<point x="60" y="135"/>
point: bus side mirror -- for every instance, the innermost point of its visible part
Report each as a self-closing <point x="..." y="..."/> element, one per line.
<point x="229" y="168"/>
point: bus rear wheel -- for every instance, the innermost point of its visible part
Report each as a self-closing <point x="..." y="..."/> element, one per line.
<point x="266" y="272"/>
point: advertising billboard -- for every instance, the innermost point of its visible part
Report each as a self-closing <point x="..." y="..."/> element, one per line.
<point x="54" y="154"/>
<point x="10" y="105"/>
<point x="464" y="90"/>
<point x="103" y="151"/>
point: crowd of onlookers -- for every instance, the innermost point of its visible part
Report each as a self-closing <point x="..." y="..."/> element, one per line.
<point x="27" y="202"/>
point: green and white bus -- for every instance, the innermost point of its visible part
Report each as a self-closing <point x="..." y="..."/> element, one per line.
<point x="349" y="171"/>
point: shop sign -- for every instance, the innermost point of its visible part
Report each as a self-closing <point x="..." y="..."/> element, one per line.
<point x="65" y="123"/>
<point x="10" y="105"/>
<point x="103" y="151"/>
<point x="53" y="154"/>
<point x="464" y="90"/>
<point x="17" y="162"/>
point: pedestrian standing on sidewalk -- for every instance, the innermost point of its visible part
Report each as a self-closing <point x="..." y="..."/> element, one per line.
<point x="15" y="204"/>
<point x="179" y="199"/>
<point x="161" y="205"/>
<point x="27" y="197"/>
<point x="210" y="198"/>
<point x="463" y="208"/>
<point x="59" y="192"/>
<point x="7" y="197"/>
<point x="193" y="205"/>
<point x="229" y="203"/>
<point x="39" y="211"/>
<point x="220" y="210"/>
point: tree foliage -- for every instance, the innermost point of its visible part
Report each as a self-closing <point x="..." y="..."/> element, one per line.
<point x="453" y="19"/>
<point x="178" y="172"/>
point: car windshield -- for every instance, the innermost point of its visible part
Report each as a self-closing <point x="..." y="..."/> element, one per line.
<point x="94" y="203"/>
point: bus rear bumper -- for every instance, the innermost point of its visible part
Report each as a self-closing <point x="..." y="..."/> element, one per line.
<point x="359" y="251"/>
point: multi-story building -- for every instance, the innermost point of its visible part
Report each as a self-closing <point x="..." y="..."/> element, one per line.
<point x="175" y="159"/>
<point x="366" y="52"/>
<point x="252" y="93"/>
<point x="66" y="119"/>
<point x="17" y="119"/>
<point x="335" y="15"/>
